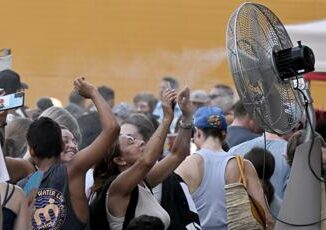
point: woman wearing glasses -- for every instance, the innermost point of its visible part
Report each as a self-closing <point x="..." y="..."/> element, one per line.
<point x="132" y="169"/>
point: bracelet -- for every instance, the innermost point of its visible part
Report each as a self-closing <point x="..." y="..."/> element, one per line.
<point x="186" y="125"/>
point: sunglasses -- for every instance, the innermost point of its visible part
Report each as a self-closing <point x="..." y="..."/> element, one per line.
<point x="130" y="139"/>
<point x="213" y="96"/>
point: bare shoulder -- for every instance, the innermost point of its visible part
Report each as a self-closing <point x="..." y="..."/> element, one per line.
<point x="193" y="161"/>
<point x="232" y="174"/>
<point x="195" y="158"/>
<point x="18" y="192"/>
<point x="249" y="167"/>
<point x="191" y="170"/>
<point x="17" y="199"/>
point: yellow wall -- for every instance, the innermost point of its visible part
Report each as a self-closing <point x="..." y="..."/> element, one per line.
<point x="127" y="45"/>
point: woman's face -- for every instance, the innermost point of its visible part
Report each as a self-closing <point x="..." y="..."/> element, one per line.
<point x="131" y="143"/>
<point x="70" y="145"/>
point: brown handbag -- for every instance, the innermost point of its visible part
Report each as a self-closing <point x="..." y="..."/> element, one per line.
<point x="243" y="211"/>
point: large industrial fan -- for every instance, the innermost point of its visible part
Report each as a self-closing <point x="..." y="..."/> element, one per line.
<point x="267" y="71"/>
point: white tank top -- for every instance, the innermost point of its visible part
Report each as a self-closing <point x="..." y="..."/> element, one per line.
<point x="146" y="205"/>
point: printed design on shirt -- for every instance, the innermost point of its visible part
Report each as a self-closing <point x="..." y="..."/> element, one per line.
<point x="50" y="211"/>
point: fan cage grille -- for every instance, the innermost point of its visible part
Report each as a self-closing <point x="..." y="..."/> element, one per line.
<point x="253" y="33"/>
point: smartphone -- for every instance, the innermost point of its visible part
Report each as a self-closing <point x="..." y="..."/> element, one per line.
<point x="34" y="182"/>
<point x="12" y="101"/>
<point x="170" y="87"/>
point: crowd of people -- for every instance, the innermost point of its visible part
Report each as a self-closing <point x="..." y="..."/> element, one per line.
<point x="183" y="160"/>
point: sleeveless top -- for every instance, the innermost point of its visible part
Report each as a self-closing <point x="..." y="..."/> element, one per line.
<point x="53" y="208"/>
<point x="8" y="215"/>
<point x="98" y="213"/>
<point x="146" y="205"/>
<point x="209" y="197"/>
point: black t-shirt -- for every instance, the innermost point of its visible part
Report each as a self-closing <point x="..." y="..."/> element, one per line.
<point x="236" y="135"/>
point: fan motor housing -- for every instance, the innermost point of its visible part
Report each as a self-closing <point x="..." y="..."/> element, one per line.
<point x="294" y="61"/>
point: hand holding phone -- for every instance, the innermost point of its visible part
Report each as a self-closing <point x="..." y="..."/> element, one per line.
<point x="174" y="102"/>
<point x="12" y="101"/>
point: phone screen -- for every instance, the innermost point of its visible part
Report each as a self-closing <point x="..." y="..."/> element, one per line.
<point x="12" y="101"/>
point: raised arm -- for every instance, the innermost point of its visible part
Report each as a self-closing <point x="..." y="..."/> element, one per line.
<point x="87" y="157"/>
<point x="181" y="147"/>
<point x="128" y="180"/>
<point x="18" y="168"/>
<point x="84" y="159"/>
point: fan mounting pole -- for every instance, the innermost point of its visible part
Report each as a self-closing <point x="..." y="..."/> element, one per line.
<point x="302" y="199"/>
<point x="265" y="67"/>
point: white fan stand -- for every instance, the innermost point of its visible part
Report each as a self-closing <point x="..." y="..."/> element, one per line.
<point x="302" y="198"/>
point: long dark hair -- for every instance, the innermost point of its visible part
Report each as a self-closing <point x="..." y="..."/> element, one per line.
<point x="143" y="123"/>
<point x="106" y="168"/>
<point x="264" y="172"/>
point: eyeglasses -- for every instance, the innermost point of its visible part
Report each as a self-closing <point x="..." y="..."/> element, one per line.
<point x="213" y="96"/>
<point x="130" y="139"/>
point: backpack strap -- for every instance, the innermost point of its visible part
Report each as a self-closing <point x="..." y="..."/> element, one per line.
<point x="148" y="186"/>
<point x="8" y="194"/>
<point x="240" y="163"/>
<point x="98" y="217"/>
<point x="130" y="213"/>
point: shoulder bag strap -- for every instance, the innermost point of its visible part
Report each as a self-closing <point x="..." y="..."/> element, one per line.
<point x="241" y="170"/>
<point x="131" y="209"/>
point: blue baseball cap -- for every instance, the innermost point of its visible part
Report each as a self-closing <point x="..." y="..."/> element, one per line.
<point x="210" y="117"/>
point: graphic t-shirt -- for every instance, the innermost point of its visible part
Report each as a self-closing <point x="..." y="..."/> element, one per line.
<point x="53" y="209"/>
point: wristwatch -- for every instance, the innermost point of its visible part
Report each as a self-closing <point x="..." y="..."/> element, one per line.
<point x="186" y="125"/>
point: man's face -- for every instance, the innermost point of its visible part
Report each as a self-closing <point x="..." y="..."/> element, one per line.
<point x="163" y="86"/>
<point x="220" y="99"/>
<point x="216" y="97"/>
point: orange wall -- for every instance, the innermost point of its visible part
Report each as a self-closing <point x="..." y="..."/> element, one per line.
<point x="127" y="45"/>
